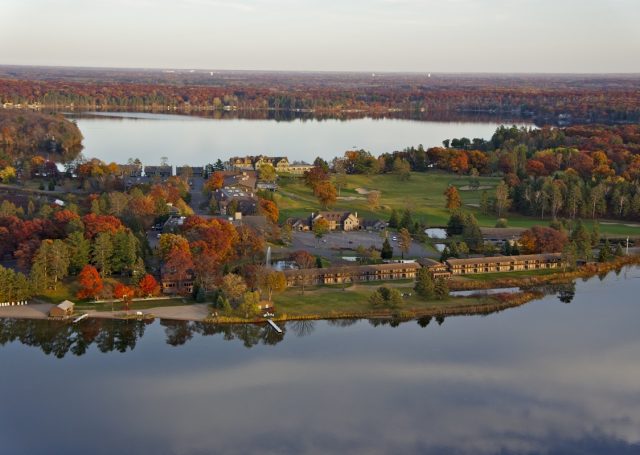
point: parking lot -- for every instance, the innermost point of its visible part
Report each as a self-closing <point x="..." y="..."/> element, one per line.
<point x="334" y="243"/>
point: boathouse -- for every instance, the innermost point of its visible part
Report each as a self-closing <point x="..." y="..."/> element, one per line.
<point x="62" y="310"/>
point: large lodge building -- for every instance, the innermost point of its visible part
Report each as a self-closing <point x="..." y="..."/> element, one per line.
<point x="504" y="263"/>
<point x="352" y="274"/>
<point x="408" y="270"/>
<point x="399" y="270"/>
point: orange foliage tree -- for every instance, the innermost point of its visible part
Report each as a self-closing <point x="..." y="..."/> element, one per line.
<point x="90" y="283"/>
<point x="326" y="193"/>
<point x="214" y="182"/>
<point x="453" y="198"/>
<point x="148" y="286"/>
<point x="540" y="239"/>
<point x="95" y="224"/>
<point x="269" y="209"/>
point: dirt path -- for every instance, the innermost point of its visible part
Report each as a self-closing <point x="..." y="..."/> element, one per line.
<point x="31" y="311"/>
<point x="195" y="312"/>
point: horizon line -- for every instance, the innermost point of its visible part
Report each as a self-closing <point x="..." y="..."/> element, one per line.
<point x="361" y="71"/>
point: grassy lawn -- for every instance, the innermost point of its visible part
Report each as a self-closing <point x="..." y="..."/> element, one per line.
<point x="422" y="194"/>
<point x="327" y="301"/>
<point x="506" y="275"/>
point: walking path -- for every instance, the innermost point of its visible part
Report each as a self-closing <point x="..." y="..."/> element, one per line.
<point x="30" y="311"/>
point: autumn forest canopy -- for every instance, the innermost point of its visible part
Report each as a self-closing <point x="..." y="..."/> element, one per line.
<point x="557" y="99"/>
<point x="24" y="134"/>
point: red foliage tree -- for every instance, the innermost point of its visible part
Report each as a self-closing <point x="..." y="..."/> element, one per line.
<point x="148" y="286"/>
<point x="122" y="291"/>
<point x="95" y="224"/>
<point x="214" y="237"/>
<point x="90" y="283"/>
<point x="540" y="239"/>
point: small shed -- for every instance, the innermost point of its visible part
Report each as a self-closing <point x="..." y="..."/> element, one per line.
<point x="62" y="310"/>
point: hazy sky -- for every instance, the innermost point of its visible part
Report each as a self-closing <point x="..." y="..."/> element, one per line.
<point x="370" y="35"/>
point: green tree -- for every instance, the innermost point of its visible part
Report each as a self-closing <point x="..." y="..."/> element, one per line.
<point x="14" y="286"/>
<point x="605" y="253"/>
<point x="406" y="221"/>
<point x="386" y="297"/>
<point x="471" y="233"/>
<point x="569" y="256"/>
<point x="79" y="250"/>
<point x="250" y="305"/>
<point x="393" y="219"/>
<point x="485" y="203"/>
<point x="387" y="250"/>
<point x="50" y="264"/>
<point x="125" y="251"/>
<point x="402" y="168"/>
<point x="102" y="253"/>
<point x="618" y="250"/>
<point x="595" y="234"/>
<point x="441" y="289"/>
<point x="455" y="225"/>
<point x="502" y="198"/>
<point x="582" y="239"/>
<point x="267" y="173"/>
<point x="425" y="284"/>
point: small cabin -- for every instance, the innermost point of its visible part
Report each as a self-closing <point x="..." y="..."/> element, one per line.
<point x="62" y="310"/>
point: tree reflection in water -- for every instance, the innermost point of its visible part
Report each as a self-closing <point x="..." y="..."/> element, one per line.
<point x="59" y="338"/>
<point x="302" y="328"/>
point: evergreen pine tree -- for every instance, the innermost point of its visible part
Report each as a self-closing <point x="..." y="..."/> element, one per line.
<point x="406" y="221"/>
<point x="387" y="250"/>
<point x="605" y="252"/>
<point x="393" y="220"/>
<point x="441" y="289"/>
<point x="425" y="286"/>
<point x="102" y="252"/>
<point x="79" y="250"/>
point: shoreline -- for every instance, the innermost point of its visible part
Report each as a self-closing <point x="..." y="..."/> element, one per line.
<point x="498" y="302"/>
<point x="478" y="305"/>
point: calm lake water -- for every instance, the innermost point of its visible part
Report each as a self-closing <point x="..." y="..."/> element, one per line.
<point x="198" y="140"/>
<point x="547" y="377"/>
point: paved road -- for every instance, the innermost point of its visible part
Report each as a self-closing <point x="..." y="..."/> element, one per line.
<point x="197" y="198"/>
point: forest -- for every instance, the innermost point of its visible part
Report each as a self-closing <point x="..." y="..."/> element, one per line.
<point x="24" y="134"/>
<point x="585" y="171"/>
<point x="544" y="99"/>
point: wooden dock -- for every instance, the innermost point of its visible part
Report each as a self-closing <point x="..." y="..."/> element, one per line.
<point x="274" y="325"/>
<point x="80" y="318"/>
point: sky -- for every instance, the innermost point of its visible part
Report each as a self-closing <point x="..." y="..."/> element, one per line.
<point x="545" y="36"/>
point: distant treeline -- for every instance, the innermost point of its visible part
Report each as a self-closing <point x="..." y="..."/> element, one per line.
<point x="546" y="100"/>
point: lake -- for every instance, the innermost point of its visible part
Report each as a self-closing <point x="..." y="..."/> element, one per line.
<point x="547" y="377"/>
<point x="193" y="140"/>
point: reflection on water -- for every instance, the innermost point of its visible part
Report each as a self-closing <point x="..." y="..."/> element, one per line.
<point x="197" y="140"/>
<point x="436" y="233"/>
<point x="542" y="378"/>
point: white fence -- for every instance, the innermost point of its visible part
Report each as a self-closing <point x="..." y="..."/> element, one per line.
<point x="19" y="303"/>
